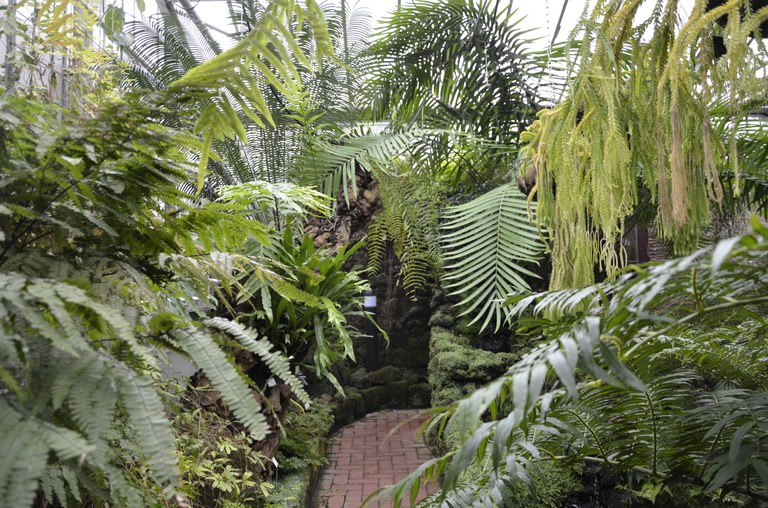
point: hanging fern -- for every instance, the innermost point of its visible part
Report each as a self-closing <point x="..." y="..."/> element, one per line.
<point x="484" y="241"/>
<point x="408" y="222"/>
<point x="642" y="112"/>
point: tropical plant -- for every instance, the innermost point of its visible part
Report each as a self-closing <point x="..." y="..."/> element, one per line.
<point x="659" y="375"/>
<point x="106" y="264"/>
<point x="455" y="84"/>
<point x="485" y="241"/>
<point x="298" y="86"/>
<point x="305" y="312"/>
<point x="458" y="65"/>
<point x="649" y="106"/>
<point x="90" y="206"/>
<point x="51" y="54"/>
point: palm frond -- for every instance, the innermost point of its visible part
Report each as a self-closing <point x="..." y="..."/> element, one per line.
<point x="484" y="243"/>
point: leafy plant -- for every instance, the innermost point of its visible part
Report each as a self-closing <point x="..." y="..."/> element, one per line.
<point x="94" y="231"/>
<point x="297" y="89"/>
<point x="657" y="111"/>
<point x="458" y="65"/>
<point x="629" y="381"/>
<point x="217" y="463"/>
<point x="305" y="310"/>
<point x="484" y="243"/>
<point x="299" y="450"/>
<point x="408" y="224"/>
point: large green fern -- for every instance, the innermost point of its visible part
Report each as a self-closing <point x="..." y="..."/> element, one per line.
<point x="102" y="260"/>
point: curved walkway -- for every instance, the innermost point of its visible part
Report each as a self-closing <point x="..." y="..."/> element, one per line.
<point x="362" y="458"/>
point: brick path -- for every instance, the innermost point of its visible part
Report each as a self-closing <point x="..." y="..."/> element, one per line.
<point x="362" y="459"/>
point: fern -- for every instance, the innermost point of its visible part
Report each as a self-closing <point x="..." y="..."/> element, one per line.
<point x="663" y="114"/>
<point x="332" y="166"/>
<point x="224" y="376"/>
<point x="153" y="430"/>
<point x="408" y="222"/>
<point x="278" y="364"/>
<point x="24" y="456"/>
<point x="484" y="241"/>
<point x="103" y="254"/>
<point x="628" y="388"/>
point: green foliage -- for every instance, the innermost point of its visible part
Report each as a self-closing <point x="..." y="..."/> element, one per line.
<point x="49" y="54"/>
<point x="265" y="57"/>
<point x="300" y="448"/>
<point x="332" y="165"/>
<point x="484" y="242"/>
<point x="628" y="380"/>
<point x="217" y="459"/>
<point x="458" y="65"/>
<point x="276" y="202"/>
<point x="408" y="223"/>
<point x="305" y="310"/>
<point x="649" y="106"/>
<point x="74" y="188"/>
<point x="291" y="86"/>
<point x="95" y="231"/>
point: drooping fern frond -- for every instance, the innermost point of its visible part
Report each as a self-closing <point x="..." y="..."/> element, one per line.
<point x="409" y="223"/>
<point x="277" y="363"/>
<point x="25" y="456"/>
<point x="664" y="114"/>
<point x="202" y="349"/>
<point x="484" y="243"/>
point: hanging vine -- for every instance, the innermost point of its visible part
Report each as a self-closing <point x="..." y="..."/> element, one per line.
<point x="644" y="107"/>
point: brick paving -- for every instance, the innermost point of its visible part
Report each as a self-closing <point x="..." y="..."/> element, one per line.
<point x="362" y="458"/>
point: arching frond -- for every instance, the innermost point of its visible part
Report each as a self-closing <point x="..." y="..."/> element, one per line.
<point x="484" y="243"/>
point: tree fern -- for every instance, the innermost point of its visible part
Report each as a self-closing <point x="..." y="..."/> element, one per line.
<point x="484" y="241"/>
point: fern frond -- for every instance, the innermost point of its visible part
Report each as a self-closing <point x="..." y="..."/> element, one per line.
<point x="277" y="363"/>
<point x="409" y="222"/>
<point x="265" y="56"/>
<point x="24" y="457"/>
<point x="147" y="414"/>
<point x="206" y="354"/>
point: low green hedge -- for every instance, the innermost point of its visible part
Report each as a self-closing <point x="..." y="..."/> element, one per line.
<point x="456" y="368"/>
